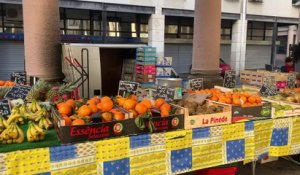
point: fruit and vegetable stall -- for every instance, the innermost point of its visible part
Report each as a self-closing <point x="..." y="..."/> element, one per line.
<point x="48" y="129"/>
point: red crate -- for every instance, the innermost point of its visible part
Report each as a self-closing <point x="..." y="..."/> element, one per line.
<point x="218" y="171"/>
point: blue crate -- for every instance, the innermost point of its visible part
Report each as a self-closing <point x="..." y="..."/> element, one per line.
<point x="146" y="49"/>
<point x="147" y="59"/>
<point x="59" y="153"/>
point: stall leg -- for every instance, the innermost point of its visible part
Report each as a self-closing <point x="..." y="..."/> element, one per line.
<point x="253" y="167"/>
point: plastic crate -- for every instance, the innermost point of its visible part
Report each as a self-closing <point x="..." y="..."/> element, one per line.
<point x="146" y="49"/>
<point x="218" y="171"/>
<point x="147" y="59"/>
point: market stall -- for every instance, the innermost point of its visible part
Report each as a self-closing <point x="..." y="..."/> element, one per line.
<point x="49" y="129"/>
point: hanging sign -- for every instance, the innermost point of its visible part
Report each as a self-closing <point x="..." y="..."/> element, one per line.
<point x="229" y="79"/>
<point x="18" y="77"/>
<point x="164" y="92"/>
<point x="5" y="108"/>
<point x="291" y="81"/>
<point x="18" y="92"/>
<point x="196" y="84"/>
<point x="128" y="88"/>
<point x="269" y="86"/>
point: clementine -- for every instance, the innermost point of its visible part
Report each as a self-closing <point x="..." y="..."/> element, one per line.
<point x="106" y="106"/>
<point x="147" y="103"/>
<point x="119" y="116"/>
<point x="84" y="110"/>
<point x="159" y="102"/>
<point x="68" y="121"/>
<point x="107" y="117"/>
<point x="65" y="109"/>
<point x="164" y="113"/>
<point x="78" y="122"/>
<point x="141" y="108"/>
<point x="129" y="104"/>
<point x="70" y="102"/>
<point x="165" y="106"/>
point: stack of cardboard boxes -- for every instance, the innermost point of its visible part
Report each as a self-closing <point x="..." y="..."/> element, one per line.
<point x="164" y="67"/>
<point x="145" y="65"/>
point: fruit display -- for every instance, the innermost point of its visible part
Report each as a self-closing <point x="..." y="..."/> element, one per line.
<point x="12" y="134"/>
<point x="280" y="110"/>
<point x="244" y="99"/>
<point x="7" y="83"/>
<point x="287" y="95"/>
<point x="43" y="91"/>
<point x="196" y="108"/>
<point x="38" y="119"/>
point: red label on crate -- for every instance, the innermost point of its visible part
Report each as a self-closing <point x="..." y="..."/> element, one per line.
<point x="90" y="132"/>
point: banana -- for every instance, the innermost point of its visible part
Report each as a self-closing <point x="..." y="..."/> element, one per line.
<point x="3" y="124"/>
<point x="13" y="132"/>
<point x="30" y="137"/>
<point x="20" y="137"/>
<point x="35" y="133"/>
<point x="13" y="118"/>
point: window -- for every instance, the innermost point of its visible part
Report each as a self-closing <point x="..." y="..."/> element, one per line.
<point x="11" y="18"/>
<point x="260" y="31"/>
<point x="77" y="22"/>
<point x="179" y="27"/>
<point x="226" y="29"/>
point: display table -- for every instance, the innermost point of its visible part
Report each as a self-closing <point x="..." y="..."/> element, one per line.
<point x="161" y="153"/>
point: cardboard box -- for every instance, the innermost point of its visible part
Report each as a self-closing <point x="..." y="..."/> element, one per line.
<point x="261" y="112"/>
<point x="164" y="61"/>
<point x="145" y="69"/>
<point x="95" y="131"/>
<point x="293" y="111"/>
<point x="206" y="120"/>
<point x="145" y="78"/>
<point x="163" y="71"/>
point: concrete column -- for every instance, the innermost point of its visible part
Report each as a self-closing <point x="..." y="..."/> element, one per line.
<point x="292" y="31"/>
<point x="207" y="35"/>
<point x="206" y="41"/>
<point x="156" y="32"/>
<point x="42" y="39"/>
<point x="238" y="45"/>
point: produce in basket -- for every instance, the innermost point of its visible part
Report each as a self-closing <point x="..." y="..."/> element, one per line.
<point x="7" y="83"/>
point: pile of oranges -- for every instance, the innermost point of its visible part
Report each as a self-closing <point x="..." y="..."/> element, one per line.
<point x="243" y="99"/>
<point x="140" y="108"/>
<point x="7" y="83"/>
<point x="79" y="112"/>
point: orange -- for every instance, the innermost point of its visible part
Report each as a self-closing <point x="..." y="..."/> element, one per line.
<point x="165" y="107"/>
<point x="91" y="102"/>
<point x="129" y="104"/>
<point x="236" y="101"/>
<point x="106" y="106"/>
<point x="107" y="117"/>
<point x="65" y="109"/>
<point x="243" y="99"/>
<point x="68" y="121"/>
<point x="121" y="101"/>
<point x="228" y="101"/>
<point x="258" y="99"/>
<point x="133" y="97"/>
<point x="159" y="102"/>
<point x="252" y="99"/>
<point x="105" y="98"/>
<point x="141" y="108"/>
<point x="214" y="98"/>
<point x="84" y="110"/>
<point x="2" y="83"/>
<point x="222" y="101"/>
<point x="119" y="116"/>
<point x="247" y="94"/>
<point x="96" y="99"/>
<point x="147" y="103"/>
<point x="113" y="111"/>
<point x="135" y="114"/>
<point x="165" y="113"/>
<point x="235" y="96"/>
<point x="70" y="102"/>
<point x="93" y="108"/>
<point x="78" y="122"/>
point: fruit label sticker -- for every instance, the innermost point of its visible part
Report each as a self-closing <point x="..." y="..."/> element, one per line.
<point x="229" y="79"/>
<point x="165" y="92"/>
<point x="18" y="92"/>
<point x="269" y="86"/>
<point x="128" y="88"/>
<point x="18" y="77"/>
<point x="196" y="84"/>
<point x="291" y="82"/>
<point x="4" y="108"/>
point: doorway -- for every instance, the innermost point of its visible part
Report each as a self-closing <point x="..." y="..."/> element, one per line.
<point x="111" y="68"/>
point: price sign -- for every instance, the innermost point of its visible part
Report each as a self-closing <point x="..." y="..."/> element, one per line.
<point x="164" y="92"/>
<point x="269" y="86"/>
<point x="196" y="84"/>
<point x="18" y="77"/>
<point x="4" y="108"/>
<point x="128" y="88"/>
<point x="18" y="92"/>
<point x="291" y="81"/>
<point x="229" y="79"/>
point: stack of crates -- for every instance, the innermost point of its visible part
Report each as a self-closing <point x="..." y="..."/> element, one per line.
<point x="164" y="67"/>
<point x="145" y="66"/>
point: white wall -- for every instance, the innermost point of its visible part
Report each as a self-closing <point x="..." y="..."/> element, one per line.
<point x="281" y="8"/>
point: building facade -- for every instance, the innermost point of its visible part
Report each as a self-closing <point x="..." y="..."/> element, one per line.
<point x="253" y="32"/>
